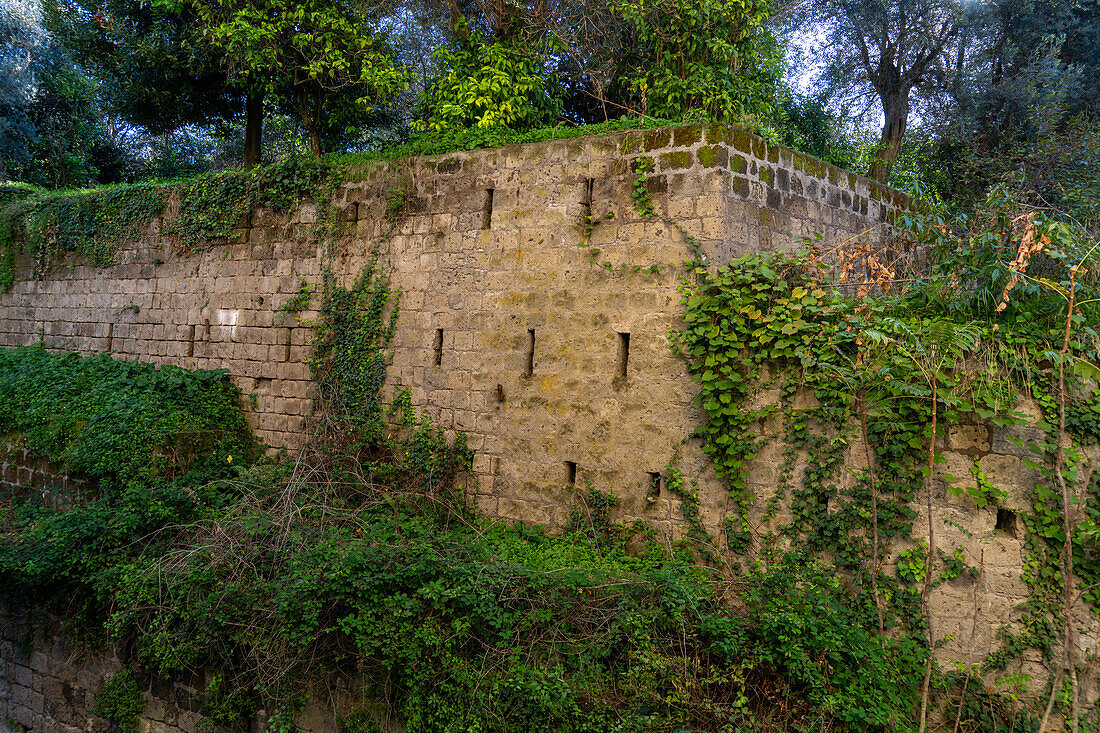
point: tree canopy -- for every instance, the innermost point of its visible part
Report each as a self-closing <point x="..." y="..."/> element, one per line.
<point x="945" y="95"/>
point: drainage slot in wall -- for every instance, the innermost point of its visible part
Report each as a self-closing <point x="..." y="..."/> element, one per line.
<point x="191" y="342"/>
<point x="653" y="487"/>
<point x="570" y="473"/>
<point x="110" y="336"/>
<point x="586" y="202"/>
<point x="287" y="340"/>
<point x="438" y="358"/>
<point x="487" y="212"/>
<point x="529" y="369"/>
<point x="624" y="354"/>
<point x="1006" y="520"/>
<point x="206" y="329"/>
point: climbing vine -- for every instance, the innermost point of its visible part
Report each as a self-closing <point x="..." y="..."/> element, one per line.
<point x="858" y="385"/>
<point x="120" y="701"/>
<point x="889" y="363"/>
<point x="46" y="225"/>
<point x="364" y="556"/>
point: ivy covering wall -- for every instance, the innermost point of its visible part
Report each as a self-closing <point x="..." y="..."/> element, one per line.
<point x="360" y="559"/>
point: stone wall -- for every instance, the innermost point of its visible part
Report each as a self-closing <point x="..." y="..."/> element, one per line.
<point x="554" y="367"/>
<point x="20" y="467"/>
<point x="970" y="611"/>
<point x="558" y="369"/>
<point x="48" y="684"/>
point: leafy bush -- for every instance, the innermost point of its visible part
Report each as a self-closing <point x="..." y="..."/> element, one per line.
<point x="499" y="628"/>
<point x="49" y="555"/>
<point x="273" y="582"/>
<point x="159" y="442"/>
<point x="122" y="423"/>
<point x="120" y="701"/>
<point x="487" y="85"/>
<point x="707" y="57"/>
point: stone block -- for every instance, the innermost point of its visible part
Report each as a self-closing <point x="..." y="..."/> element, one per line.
<point x="1015" y="440"/>
<point x="1009" y="473"/>
<point x="969" y="439"/>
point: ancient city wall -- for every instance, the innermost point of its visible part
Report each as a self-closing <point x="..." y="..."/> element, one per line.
<point x="556" y="367"/>
<point x="507" y="330"/>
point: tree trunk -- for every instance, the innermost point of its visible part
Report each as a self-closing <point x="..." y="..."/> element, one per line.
<point x="310" y="110"/>
<point x="874" y="507"/>
<point x="926" y="592"/>
<point x="895" y="107"/>
<point x="253" y="128"/>
<point x="1069" y="523"/>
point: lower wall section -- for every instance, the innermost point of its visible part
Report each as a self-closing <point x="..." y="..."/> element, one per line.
<point x="20" y="467"/>
<point x="48" y="685"/>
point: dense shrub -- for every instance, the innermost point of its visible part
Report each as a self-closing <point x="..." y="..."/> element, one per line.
<point x="123" y="423"/>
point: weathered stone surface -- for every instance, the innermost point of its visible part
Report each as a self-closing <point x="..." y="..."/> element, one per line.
<point x="487" y="272"/>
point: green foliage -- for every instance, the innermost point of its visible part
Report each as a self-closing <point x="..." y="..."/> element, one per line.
<point x="212" y="206"/>
<point x="51" y="119"/>
<point x="11" y="191"/>
<point x="766" y="314"/>
<point x="912" y="565"/>
<point x="93" y="222"/>
<point x="758" y="310"/>
<point x="983" y="492"/>
<point x="776" y="318"/>
<point x="639" y="191"/>
<point x="954" y="566"/>
<point x="120" y="701"/>
<point x="298" y="302"/>
<point x="338" y="70"/>
<point x="487" y="85"/>
<point x="351" y="352"/>
<point x="704" y="57"/>
<point x="432" y="142"/>
<point x="159" y="445"/>
<point x="689" y="508"/>
<point x="503" y="629"/>
<point x="152" y="64"/>
<point x="122" y="423"/>
<point x="974" y="272"/>
<point x="89" y="222"/>
<point x="591" y="516"/>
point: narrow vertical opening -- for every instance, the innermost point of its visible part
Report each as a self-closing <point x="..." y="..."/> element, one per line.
<point x="653" y="487"/>
<point x="110" y="336"/>
<point x="570" y="473"/>
<point x="1006" y="521"/>
<point x="287" y="338"/>
<point x="438" y="358"/>
<point x="206" y="329"/>
<point x="586" y="201"/>
<point x="624" y="354"/>
<point x="487" y="212"/>
<point x="191" y="342"/>
<point x="529" y="368"/>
